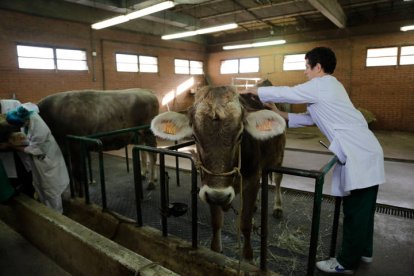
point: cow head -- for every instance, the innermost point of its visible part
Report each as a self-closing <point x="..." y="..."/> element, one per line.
<point x="218" y="122"/>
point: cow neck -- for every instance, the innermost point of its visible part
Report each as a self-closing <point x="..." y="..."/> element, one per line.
<point x="235" y="170"/>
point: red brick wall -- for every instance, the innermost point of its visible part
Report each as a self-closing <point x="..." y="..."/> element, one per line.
<point x="388" y="92"/>
<point x="33" y="85"/>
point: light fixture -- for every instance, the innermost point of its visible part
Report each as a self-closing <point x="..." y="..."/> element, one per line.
<point x="201" y="31"/>
<point x="257" y="44"/>
<point x="407" y="28"/>
<point x="133" y="15"/>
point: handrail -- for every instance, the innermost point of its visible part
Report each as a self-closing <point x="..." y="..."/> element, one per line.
<point x="163" y="193"/>
<point x="319" y="177"/>
<point x="88" y="140"/>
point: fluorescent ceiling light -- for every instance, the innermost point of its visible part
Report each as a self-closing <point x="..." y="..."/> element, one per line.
<point x="152" y="9"/>
<point x="133" y="15"/>
<point x="201" y="31"/>
<point x="257" y="44"/>
<point x="407" y="28"/>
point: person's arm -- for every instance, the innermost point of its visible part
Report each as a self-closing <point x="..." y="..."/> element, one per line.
<point x="303" y="93"/>
<point x="273" y="107"/>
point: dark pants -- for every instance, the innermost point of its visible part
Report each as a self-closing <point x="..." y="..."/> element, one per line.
<point x="23" y="182"/>
<point x="358" y="226"/>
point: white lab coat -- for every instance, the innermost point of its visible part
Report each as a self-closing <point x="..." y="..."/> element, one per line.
<point x="50" y="175"/>
<point x="7" y="157"/>
<point x="330" y="108"/>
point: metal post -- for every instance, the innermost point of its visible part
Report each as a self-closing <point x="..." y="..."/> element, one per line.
<point x="84" y="176"/>
<point x="90" y="167"/>
<point x="316" y="216"/>
<point x="194" y="193"/>
<point x="102" y="176"/>
<point x="338" y="201"/>
<point x="263" y="226"/>
<point x="177" y="165"/>
<point x="69" y="165"/>
<point x="126" y="157"/>
<point x="163" y="196"/>
<point x="137" y="183"/>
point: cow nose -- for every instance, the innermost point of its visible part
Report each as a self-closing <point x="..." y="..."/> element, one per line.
<point x="222" y="197"/>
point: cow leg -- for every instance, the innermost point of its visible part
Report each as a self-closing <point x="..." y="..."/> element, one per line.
<point x="277" y="202"/>
<point x="217" y="223"/>
<point x="150" y="140"/>
<point x="144" y="164"/>
<point x="249" y="200"/>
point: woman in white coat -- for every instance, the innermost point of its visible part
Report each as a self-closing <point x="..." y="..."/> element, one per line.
<point x="50" y="175"/>
<point x="361" y="168"/>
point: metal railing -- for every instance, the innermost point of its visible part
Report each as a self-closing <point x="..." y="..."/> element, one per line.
<point x="94" y="139"/>
<point x="319" y="177"/>
<point x="164" y="194"/>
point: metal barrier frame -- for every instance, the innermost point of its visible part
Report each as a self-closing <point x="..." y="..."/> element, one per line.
<point x="94" y="139"/>
<point x="319" y="177"/>
<point x="173" y="151"/>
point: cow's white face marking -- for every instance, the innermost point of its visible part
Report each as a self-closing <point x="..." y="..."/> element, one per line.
<point x="219" y="196"/>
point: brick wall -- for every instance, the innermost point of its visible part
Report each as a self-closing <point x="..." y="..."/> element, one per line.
<point x="388" y="92"/>
<point x="32" y="85"/>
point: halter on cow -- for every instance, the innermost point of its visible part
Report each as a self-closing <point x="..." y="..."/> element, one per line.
<point x="234" y="143"/>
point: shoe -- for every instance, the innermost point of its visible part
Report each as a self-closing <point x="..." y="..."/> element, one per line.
<point x="332" y="266"/>
<point x="366" y="260"/>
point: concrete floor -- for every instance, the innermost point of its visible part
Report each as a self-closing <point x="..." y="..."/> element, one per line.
<point x="393" y="241"/>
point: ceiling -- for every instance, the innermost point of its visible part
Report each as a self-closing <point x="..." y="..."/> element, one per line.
<point x="258" y="20"/>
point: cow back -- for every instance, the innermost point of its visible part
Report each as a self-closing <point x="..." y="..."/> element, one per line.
<point x="87" y="112"/>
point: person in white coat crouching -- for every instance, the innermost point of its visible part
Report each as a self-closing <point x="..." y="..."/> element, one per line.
<point x="361" y="161"/>
<point x="50" y="175"/>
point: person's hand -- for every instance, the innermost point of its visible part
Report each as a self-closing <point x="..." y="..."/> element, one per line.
<point x="271" y="106"/>
<point x="252" y="90"/>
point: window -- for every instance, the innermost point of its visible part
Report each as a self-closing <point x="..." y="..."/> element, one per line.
<point x="230" y="66"/>
<point x="148" y="64"/>
<point x="407" y="55"/>
<point x="188" y="67"/>
<point x="126" y="63"/>
<point x="196" y="67"/>
<point x="71" y="60"/>
<point x="135" y="63"/>
<point x="243" y="65"/>
<point x="31" y="57"/>
<point x="249" y="65"/>
<point x="382" y="57"/>
<point x="294" y="62"/>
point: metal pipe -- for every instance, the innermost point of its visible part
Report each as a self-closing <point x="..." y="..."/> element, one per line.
<point x="137" y="183"/>
<point x="163" y="196"/>
<point x="335" y="224"/>
<point x="264" y="222"/>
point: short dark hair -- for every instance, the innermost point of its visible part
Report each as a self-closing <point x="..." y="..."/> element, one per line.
<point x="324" y="56"/>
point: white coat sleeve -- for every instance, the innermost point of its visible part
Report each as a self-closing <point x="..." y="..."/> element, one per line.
<point x="299" y="120"/>
<point x="38" y="135"/>
<point x="303" y="93"/>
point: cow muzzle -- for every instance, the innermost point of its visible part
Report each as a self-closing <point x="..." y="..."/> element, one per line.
<point x="222" y="197"/>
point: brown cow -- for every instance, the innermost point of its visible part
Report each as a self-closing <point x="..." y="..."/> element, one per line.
<point x="234" y="143"/>
<point x="88" y="112"/>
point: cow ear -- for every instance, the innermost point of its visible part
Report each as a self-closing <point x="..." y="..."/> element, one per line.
<point x="171" y="126"/>
<point x="264" y="124"/>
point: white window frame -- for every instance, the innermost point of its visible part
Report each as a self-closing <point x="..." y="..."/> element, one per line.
<point x="51" y="58"/>
<point x="407" y="55"/>
<point x="133" y="63"/>
<point x="387" y="56"/>
<point x="240" y="66"/>
<point x="295" y="62"/>
<point x="188" y="67"/>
